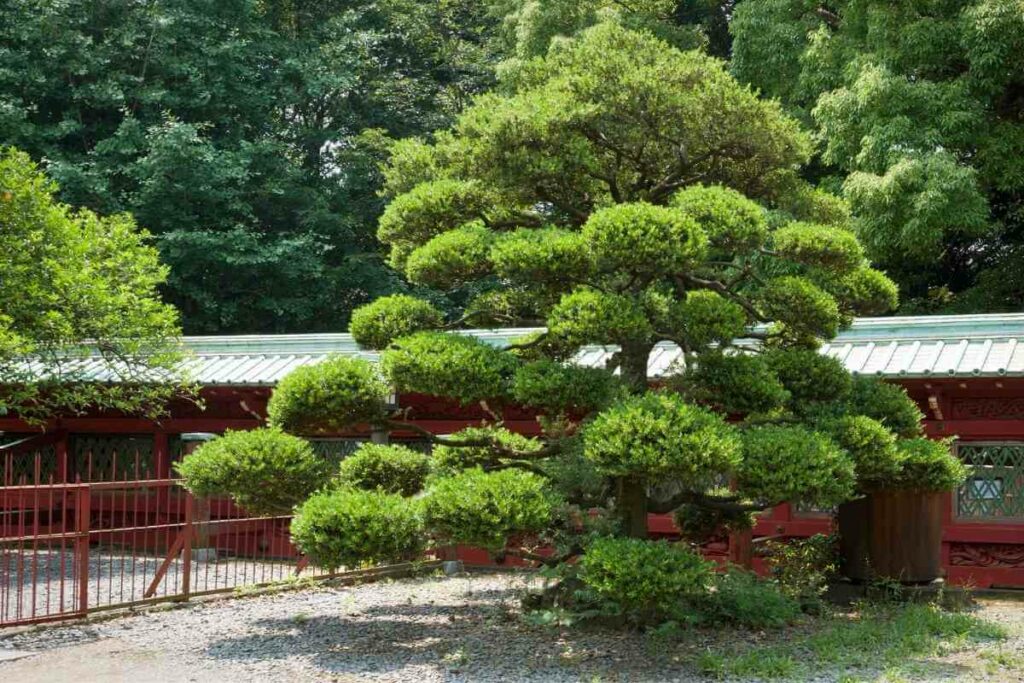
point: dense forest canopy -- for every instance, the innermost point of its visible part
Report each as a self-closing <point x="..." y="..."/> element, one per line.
<point x="919" y="112"/>
<point x="246" y="135"/>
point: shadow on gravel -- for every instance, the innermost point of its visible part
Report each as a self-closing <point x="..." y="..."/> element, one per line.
<point x="474" y="642"/>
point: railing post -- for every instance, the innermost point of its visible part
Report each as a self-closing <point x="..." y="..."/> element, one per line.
<point x="186" y="574"/>
<point x="82" y="511"/>
<point x="60" y="451"/>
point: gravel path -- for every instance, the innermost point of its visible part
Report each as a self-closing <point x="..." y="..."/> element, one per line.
<point x="464" y="628"/>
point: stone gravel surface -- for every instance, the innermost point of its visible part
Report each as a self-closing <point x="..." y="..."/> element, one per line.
<point x="462" y="628"/>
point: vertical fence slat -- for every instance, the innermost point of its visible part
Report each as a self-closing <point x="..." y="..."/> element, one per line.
<point x="82" y="513"/>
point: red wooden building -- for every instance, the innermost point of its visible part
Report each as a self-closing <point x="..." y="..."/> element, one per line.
<point x="966" y="372"/>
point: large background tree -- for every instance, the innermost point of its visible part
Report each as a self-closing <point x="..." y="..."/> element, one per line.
<point x="243" y="134"/>
<point x="625" y="193"/>
<point x="919" y="108"/>
<point x="69" y="276"/>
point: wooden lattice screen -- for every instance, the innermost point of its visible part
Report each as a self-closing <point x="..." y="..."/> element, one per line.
<point x="995" y="486"/>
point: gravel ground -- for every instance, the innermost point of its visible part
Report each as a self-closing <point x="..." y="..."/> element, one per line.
<point x="116" y="578"/>
<point x="464" y="628"/>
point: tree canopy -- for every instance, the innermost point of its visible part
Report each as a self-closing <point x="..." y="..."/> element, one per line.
<point x="918" y="108"/>
<point x="74" y="286"/>
<point x="243" y="134"/>
<point x="624" y="193"/>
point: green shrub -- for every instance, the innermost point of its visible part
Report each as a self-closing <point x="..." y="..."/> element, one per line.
<point x="644" y="239"/>
<point x="740" y="597"/>
<point x="331" y="396"/>
<point x="449" y="460"/>
<point x="452" y="258"/>
<point x="558" y="388"/>
<point x="587" y="316"/>
<point x="542" y="255"/>
<point x="733" y="383"/>
<point x="485" y="509"/>
<point x="803" y="309"/>
<point x="793" y="463"/>
<point x="377" y="324"/>
<point x="887" y="403"/>
<point x="428" y="209"/>
<point x="872" y="446"/>
<point x="451" y="365"/>
<point x="389" y="468"/>
<point x="731" y="220"/>
<point x="803" y="567"/>
<point x="661" y="435"/>
<point x="867" y="291"/>
<point x="265" y="471"/>
<point x="828" y="247"/>
<point x="645" y="579"/>
<point x="809" y="377"/>
<point x="704" y="318"/>
<point x="928" y="465"/>
<point x="351" y="527"/>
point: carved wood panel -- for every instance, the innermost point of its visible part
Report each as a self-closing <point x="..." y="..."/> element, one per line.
<point x="1002" y="555"/>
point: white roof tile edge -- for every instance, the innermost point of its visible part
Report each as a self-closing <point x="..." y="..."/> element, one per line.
<point x="897" y="347"/>
<point x="905" y="346"/>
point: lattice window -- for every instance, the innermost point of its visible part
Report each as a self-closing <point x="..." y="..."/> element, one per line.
<point x="112" y="457"/>
<point x="995" y="484"/>
<point x="36" y="465"/>
<point x="808" y="510"/>
<point x="335" y="450"/>
<point x="338" y="449"/>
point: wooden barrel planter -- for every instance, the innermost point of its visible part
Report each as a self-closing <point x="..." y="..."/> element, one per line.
<point x="893" y="535"/>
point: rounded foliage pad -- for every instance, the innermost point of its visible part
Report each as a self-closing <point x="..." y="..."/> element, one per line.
<point x="350" y="527"/>
<point x="386" y="467"/>
<point x="644" y="577"/>
<point x="331" y="396"/>
<point x="794" y="464"/>
<point x="486" y="509"/>
<point x="377" y="324"/>
<point x="661" y="435"/>
<point x="451" y="365"/>
<point x="241" y="464"/>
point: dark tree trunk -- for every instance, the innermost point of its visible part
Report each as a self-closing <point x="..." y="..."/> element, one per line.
<point x="631" y="501"/>
<point x="631" y="493"/>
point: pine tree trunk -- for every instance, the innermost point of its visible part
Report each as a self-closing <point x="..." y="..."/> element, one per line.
<point x="631" y="493"/>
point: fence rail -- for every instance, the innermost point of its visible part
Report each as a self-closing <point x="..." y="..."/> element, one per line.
<point x="71" y="548"/>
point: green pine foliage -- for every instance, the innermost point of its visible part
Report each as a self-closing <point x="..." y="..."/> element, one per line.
<point x="659" y="435"/>
<point x="488" y="509"/>
<point x="266" y="471"/>
<point x="457" y="366"/>
<point x="377" y="324"/>
<point x="332" y="396"/>
<point x="351" y="528"/>
<point x="646" y="579"/>
<point x="390" y="468"/>
<point x="928" y="465"/>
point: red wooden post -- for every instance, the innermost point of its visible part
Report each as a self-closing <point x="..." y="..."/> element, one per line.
<point x="741" y="548"/>
<point x="60" y="450"/>
<point x="161" y="458"/>
<point x="186" y="573"/>
<point x="162" y="465"/>
<point x="82" y="510"/>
